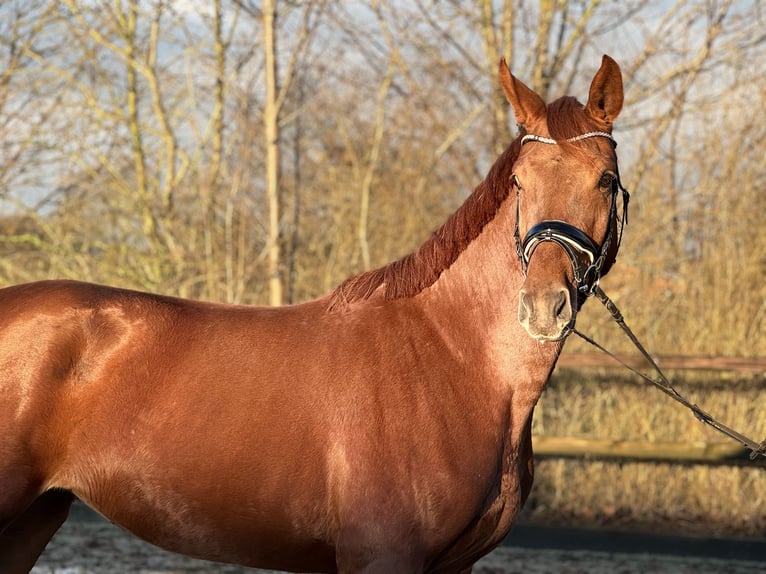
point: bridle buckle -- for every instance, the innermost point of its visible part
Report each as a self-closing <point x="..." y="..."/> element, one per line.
<point x="590" y="279"/>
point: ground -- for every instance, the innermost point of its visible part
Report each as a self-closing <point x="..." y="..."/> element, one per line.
<point x="90" y="545"/>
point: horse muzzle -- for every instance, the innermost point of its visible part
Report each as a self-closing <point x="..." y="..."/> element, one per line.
<point x="547" y="314"/>
<point x="548" y="311"/>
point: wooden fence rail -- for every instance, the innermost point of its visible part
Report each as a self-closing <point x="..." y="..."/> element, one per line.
<point x="749" y="365"/>
<point x="729" y="453"/>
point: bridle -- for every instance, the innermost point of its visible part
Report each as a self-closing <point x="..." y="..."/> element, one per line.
<point x="586" y="256"/>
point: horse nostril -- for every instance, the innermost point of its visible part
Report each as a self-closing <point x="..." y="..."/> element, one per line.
<point x="525" y="306"/>
<point x="561" y="307"/>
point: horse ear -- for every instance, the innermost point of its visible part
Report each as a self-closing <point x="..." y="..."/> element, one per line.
<point x="606" y="97"/>
<point x="526" y="104"/>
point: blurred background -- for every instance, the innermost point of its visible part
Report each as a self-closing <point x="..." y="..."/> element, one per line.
<point x="261" y="151"/>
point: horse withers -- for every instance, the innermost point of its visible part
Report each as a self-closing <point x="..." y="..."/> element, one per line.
<point x="384" y="427"/>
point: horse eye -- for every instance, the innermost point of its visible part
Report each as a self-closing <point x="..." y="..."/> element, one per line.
<point x="606" y="180"/>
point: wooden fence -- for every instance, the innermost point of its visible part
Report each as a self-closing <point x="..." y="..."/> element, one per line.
<point x="720" y="453"/>
<point x="723" y="454"/>
<point x="745" y="365"/>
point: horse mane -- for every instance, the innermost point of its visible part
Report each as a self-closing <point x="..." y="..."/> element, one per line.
<point x="412" y="273"/>
<point x="420" y="269"/>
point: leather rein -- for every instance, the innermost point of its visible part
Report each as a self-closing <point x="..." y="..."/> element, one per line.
<point x="588" y="259"/>
<point x="662" y="382"/>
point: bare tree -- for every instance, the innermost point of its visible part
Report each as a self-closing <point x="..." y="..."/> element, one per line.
<point x="271" y="132"/>
<point x="142" y="155"/>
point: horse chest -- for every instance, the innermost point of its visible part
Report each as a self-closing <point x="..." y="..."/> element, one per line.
<point x="501" y="514"/>
<point x="494" y="522"/>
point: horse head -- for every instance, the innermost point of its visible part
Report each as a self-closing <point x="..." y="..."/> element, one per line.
<point x="567" y="184"/>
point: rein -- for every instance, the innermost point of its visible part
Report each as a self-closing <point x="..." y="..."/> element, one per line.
<point x="579" y="247"/>
<point x="662" y="383"/>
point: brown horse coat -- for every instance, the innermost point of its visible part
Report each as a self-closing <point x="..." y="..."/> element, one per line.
<point x="382" y="428"/>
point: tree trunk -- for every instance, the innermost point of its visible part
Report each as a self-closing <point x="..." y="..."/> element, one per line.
<point x="271" y="131"/>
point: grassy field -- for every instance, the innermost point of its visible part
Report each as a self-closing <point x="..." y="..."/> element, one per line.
<point x="604" y="403"/>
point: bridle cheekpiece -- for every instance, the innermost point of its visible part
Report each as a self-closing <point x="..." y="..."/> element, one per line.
<point x="586" y="256"/>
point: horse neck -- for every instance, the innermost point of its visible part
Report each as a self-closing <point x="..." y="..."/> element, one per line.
<point x="477" y="299"/>
<point x="485" y="278"/>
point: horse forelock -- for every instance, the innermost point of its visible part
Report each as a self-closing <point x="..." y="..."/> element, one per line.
<point x="420" y="269"/>
<point x="567" y="118"/>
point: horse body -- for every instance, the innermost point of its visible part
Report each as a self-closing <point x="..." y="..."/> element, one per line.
<point x="317" y="422"/>
<point x="382" y="428"/>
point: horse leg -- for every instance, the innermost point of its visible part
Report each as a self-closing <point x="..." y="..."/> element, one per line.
<point x="360" y="552"/>
<point x="390" y="564"/>
<point x="25" y="537"/>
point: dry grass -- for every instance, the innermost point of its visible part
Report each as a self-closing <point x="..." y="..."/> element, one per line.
<point x="720" y="500"/>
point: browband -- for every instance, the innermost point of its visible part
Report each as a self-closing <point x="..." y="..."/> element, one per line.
<point x="541" y="139"/>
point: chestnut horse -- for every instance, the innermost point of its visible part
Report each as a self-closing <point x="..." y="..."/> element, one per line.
<point x="384" y="427"/>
